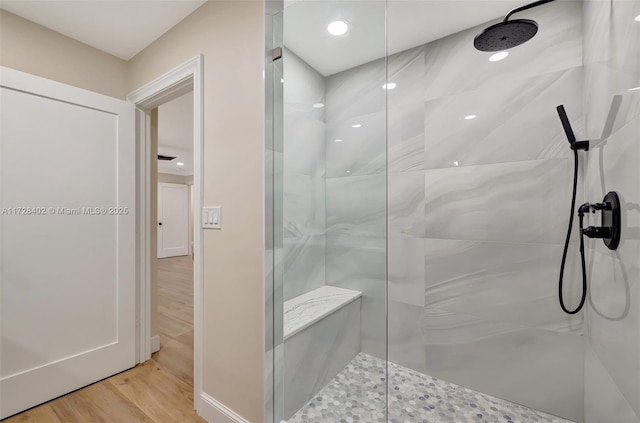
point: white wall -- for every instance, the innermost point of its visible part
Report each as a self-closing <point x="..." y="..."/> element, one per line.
<point x="34" y="49"/>
<point x="230" y="35"/>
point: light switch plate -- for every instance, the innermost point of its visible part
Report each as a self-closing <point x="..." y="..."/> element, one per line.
<point x="212" y="217"/>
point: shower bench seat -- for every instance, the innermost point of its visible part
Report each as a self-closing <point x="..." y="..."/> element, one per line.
<point x="321" y="336"/>
<point x="303" y="311"/>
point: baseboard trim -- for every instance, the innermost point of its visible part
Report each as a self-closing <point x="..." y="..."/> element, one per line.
<point x="155" y="344"/>
<point x="213" y="411"/>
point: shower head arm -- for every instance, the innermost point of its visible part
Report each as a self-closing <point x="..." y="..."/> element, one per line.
<point x="526" y="7"/>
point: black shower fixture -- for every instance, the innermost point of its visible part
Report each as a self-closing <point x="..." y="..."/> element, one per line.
<point x="507" y="34"/>
<point x="610" y="228"/>
<point x="611" y="220"/>
<point x="566" y="125"/>
<point x="575" y="146"/>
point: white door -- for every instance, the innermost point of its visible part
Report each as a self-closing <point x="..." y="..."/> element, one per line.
<point x="173" y="220"/>
<point x="67" y="239"/>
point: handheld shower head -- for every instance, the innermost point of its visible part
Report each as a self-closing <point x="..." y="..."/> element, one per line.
<point x="508" y="34"/>
<point x="575" y="145"/>
<point x="566" y="124"/>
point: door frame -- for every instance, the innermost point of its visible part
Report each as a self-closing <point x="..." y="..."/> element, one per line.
<point x="178" y="81"/>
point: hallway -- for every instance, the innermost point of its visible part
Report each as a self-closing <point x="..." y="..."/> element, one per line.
<point x="157" y="391"/>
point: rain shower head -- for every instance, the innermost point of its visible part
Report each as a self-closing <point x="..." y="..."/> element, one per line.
<point x="508" y="34"/>
<point x="505" y="35"/>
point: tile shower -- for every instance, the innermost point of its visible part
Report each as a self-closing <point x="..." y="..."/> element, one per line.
<point x="443" y="204"/>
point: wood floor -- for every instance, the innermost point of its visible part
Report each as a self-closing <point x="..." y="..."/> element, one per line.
<point x="160" y="390"/>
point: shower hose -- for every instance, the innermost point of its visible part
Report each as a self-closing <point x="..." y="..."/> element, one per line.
<point x="566" y="245"/>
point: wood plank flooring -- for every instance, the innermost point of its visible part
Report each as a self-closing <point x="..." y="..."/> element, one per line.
<point x="158" y="391"/>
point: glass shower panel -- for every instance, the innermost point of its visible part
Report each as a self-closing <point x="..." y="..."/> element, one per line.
<point x="334" y="212"/>
<point x="480" y="177"/>
<point x="612" y="113"/>
<point x="274" y="192"/>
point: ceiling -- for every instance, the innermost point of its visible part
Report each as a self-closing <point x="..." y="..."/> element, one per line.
<point x="123" y="28"/>
<point x="175" y="135"/>
<point x="410" y="23"/>
<point x="120" y="28"/>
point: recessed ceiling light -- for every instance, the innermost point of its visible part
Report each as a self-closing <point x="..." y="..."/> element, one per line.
<point x="318" y="106"/>
<point x="499" y="56"/>
<point x="348" y="171"/>
<point x="389" y="86"/>
<point x="356" y="125"/>
<point x="470" y="117"/>
<point x="637" y="19"/>
<point x="179" y="164"/>
<point x="338" y="140"/>
<point x="338" y="28"/>
<point x="634" y="89"/>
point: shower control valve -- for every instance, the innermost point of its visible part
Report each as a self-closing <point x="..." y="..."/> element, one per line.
<point x="597" y="232"/>
<point x="611" y="227"/>
<point x="601" y="206"/>
<point x="588" y="207"/>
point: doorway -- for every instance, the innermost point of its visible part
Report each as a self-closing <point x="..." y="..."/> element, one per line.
<point x="172" y="264"/>
<point x="149" y="100"/>
<point x="175" y="177"/>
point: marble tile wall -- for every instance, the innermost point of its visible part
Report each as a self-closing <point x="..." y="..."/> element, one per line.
<point x="356" y="187"/>
<point x="304" y="178"/>
<point x="477" y="210"/>
<point x="612" y="70"/>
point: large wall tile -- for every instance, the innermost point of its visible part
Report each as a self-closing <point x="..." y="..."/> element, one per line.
<point x="522" y="202"/>
<point x="359" y="151"/>
<point x="303" y="87"/>
<point x="405" y="215"/>
<point x="603" y="401"/>
<point x="406" y="344"/>
<point x="358" y="263"/>
<point x="304" y="205"/>
<point x="304" y="265"/>
<point x="356" y="92"/>
<point x="406" y="274"/>
<point x="538" y="368"/>
<point x="605" y="84"/>
<point x="611" y="35"/>
<point x="516" y="121"/>
<point x="361" y="264"/>
<point x="614" y="320"/>
<point x="359" y="91"/>
<point x="614" y="167"/>
<point x="368" y="150"/>
<point x="363" y="150"/>
<point x="406" y="139"/>
<point x="514" y="283"/>
<point x="406" y="69"/>
<point x="356" y="205"/>
<point x="304" y="141"/>
<point x="453" y="65"/>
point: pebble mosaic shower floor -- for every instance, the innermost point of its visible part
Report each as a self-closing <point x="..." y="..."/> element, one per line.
<point x="357" y="395"/>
